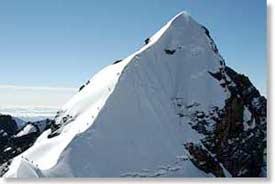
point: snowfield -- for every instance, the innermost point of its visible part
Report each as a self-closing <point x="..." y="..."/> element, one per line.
<point x="125" y="121"/>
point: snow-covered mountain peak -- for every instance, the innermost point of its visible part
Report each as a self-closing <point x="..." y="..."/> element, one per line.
<point x="183" y="21"/>
<point x="182" y="45"/>
<point x="159" y="112"/>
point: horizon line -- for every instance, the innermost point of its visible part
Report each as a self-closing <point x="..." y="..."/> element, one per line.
<point x="38" y="88"/>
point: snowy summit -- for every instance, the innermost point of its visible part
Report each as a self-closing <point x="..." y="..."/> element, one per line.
<point x="171" y="109"/>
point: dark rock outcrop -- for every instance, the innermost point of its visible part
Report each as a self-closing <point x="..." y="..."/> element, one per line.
<point x="203" y="160"/>
<point x="238" y="143"/>
<point x="235" y="134"/>
<point x="8" y="124"/>
<point x="13" y="141"/>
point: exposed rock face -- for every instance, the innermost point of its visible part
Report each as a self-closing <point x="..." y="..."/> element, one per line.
<point x="8" y="128"/>
<point x="248" y="133"/>
<point x="236" y="134"/>
<point x="8" y="124"/>
<point x="238" y="142"/>
<point x="204" y="160"/>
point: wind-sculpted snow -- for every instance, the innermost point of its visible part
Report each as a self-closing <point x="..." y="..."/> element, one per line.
<point x="139" y="117"/>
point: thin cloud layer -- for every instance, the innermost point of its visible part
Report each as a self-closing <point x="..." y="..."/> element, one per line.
<point x="29" y="113"/>
<point x="39" y="88"/>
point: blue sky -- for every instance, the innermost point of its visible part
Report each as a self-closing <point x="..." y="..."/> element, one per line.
<point x="63" y="43"/>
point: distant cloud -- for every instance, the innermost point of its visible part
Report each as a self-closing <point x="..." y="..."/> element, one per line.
<point x="14" y="95"/>
<point x="29" y="113"/>
<point x="38" y="88"/>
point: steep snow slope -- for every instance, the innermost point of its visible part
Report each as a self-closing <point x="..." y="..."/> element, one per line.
<point x="132" y="119"/>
